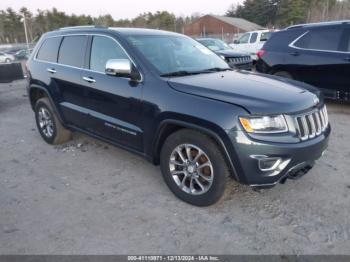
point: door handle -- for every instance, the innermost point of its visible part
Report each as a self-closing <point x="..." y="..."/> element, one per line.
<point x="51" y="70"/>
<point x="89" y="79"/>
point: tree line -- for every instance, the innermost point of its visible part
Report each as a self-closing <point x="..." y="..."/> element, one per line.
<point x="269" y="13"/>
<point x="12" y="29"/>
<point x="282" y="13"/>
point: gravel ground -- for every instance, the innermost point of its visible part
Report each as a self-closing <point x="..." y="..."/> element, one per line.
<point x="87" y="197"/>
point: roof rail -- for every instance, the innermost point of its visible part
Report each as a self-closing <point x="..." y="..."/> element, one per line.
<point x="81" y="27"/>
<point x="319" y="24"/>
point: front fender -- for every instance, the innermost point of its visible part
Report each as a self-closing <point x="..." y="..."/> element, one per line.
<point x="220" y="136"/>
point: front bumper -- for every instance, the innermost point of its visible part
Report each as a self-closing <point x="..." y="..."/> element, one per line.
<point x="294" y="159"/>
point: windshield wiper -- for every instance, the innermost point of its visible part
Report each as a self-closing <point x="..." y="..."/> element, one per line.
<point x="180" y="73"/>
<point x="187" y="73"/>
<point x="217" y="69"/>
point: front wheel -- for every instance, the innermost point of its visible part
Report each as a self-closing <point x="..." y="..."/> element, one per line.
<point x="193" y="167"/>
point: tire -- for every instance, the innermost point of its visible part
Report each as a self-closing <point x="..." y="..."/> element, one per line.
<point x="215" y="168"/>
<point x="52" y="131"/>
<point x="283" y="74"/>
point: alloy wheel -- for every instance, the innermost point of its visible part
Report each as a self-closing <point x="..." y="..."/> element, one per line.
<point x="45" y="122"/>
<point x="191" y="169"/>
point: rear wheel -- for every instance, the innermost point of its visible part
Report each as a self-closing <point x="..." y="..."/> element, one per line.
<point x="193" y="167"/>
<point x="50" y="128"/>
<point x="283" y="74"/>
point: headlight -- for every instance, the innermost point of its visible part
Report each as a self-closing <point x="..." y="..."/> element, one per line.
<point x="264" y="124"/>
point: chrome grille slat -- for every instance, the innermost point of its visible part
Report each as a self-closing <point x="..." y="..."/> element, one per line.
<point x="305" y="128"/>
<point x="312" y="124"/>
<point x="238" y="60"/>
<point x="319" y="125"/>
<point x="326" y="114"/>
<point x="323" y="121"/>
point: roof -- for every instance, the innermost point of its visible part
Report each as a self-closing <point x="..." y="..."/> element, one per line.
<point x="320" y="24"/>
<point x="121" y="30"/>
<point x="239" y="22"/>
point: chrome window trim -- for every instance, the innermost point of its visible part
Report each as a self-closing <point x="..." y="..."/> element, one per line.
<point x="87" y="69"/>
<point x="292" y="45"/>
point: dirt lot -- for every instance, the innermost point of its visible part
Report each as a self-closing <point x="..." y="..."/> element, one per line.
<point x="87" y="197"/>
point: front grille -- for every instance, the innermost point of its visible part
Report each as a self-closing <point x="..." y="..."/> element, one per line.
<point x="312" y="124"/>
<point x="239" y="60"/>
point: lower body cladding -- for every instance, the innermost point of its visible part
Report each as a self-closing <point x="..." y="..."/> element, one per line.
<point x="265" y="164"/>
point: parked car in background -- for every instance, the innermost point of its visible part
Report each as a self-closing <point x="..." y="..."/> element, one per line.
<point x="251" y="42"/>
<point x="6" y="58"/>
<point x="318" y="54"/>
<point x="176" y="103"/>
<point x="235" y="59"/>
<point x="22" y="54"/>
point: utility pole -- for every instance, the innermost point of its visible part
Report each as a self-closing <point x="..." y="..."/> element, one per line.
<point x="25" y="29"/>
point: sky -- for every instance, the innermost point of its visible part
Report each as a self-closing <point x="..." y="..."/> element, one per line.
<point x="124" y="8"/>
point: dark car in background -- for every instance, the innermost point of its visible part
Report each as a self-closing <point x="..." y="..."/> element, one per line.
<point x="171" y="100"/>
<point x="22" y="54"/>
<point x="235" y="59"/>
<point x="318" y="54"/>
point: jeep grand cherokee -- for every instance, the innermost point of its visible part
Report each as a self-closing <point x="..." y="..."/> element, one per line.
<point x="166" y="97"/>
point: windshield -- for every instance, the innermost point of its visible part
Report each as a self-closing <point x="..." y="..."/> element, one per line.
<point x="214" y="44"/>
<point x="174" y="54"/>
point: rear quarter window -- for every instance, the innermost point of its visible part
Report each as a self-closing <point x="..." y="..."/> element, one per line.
<point x="325" y="39"/>
<point x="279" y="41"/>
<point x="72" y="50"/>
<point x="49" y="49"/>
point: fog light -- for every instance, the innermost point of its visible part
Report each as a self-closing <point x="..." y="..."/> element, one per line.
<point x="271" y="164"/>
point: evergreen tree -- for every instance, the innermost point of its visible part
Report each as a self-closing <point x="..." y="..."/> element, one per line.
<point x="292" y="12"/>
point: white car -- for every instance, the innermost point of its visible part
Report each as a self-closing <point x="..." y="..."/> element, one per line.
<point x="6" y="58"/>
<point x="251" y="42"/>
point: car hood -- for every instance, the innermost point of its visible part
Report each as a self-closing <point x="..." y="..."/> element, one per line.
<point x="231" y="53"/>
<point x="257" y="93"/>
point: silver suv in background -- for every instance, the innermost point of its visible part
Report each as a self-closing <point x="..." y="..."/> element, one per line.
<point x="251" y="42"/>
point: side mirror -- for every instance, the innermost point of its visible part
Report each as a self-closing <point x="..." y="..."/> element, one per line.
<point x="119" y="67"/>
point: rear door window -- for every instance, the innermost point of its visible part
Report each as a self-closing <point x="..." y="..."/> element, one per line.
<point x="72" y="51"/>
<point x="253" y="38"/>
<point x="323" y="39"/>
<point x="49" y="49"/>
